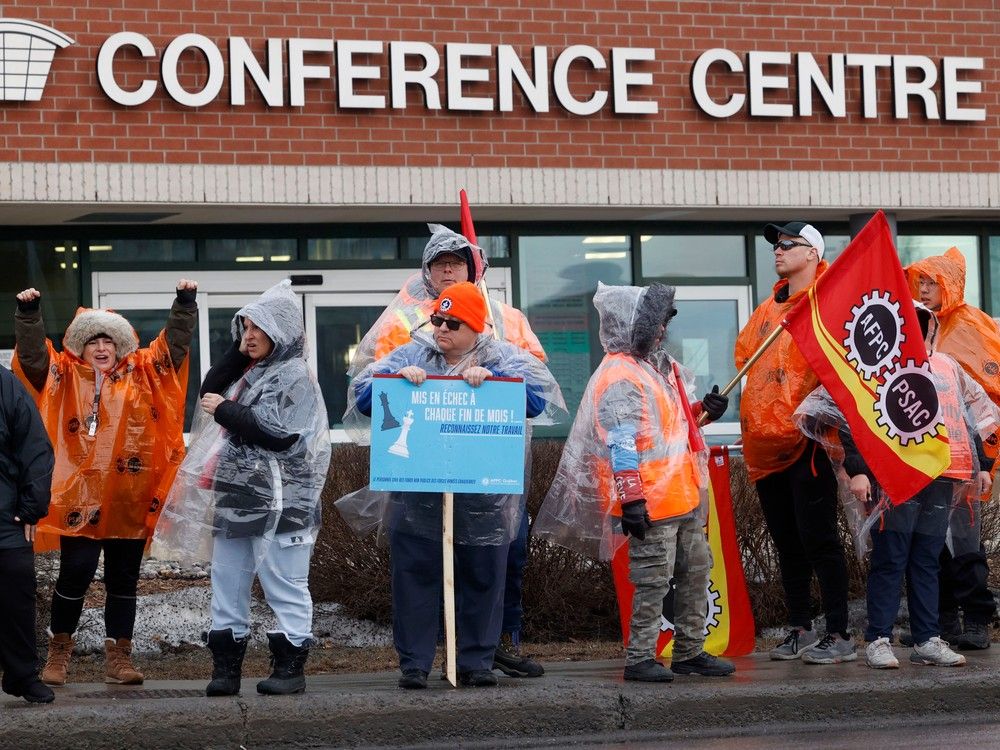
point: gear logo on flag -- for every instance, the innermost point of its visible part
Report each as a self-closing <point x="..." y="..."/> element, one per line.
<point x="908" y="404"/>
<point x="874" y="334"/>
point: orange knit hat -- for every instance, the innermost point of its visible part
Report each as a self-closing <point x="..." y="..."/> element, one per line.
<point x="465" y="302"/>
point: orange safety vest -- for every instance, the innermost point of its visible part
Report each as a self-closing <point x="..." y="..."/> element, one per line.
<point x="110" y="485"/>
<point x="667" y="467"/>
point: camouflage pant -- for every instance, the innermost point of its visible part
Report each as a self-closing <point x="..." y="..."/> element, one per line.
<point x="679" y="550"/>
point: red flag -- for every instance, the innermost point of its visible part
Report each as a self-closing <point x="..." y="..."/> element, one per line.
<point x="858" y="329"/>
<point x="469" y="232"/>
<point x="695" y="440"/>
<point x="729" y="625"/>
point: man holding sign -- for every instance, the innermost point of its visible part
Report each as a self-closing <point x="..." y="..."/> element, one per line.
<point x="485" y="523"/>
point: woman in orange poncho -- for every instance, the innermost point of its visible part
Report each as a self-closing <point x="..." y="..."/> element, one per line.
<point x="971" y="337"/>
<point x="115" y="416"/>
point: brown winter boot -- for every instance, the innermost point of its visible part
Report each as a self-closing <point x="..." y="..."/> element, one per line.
<point x="118" y="662"/>
<point x="57" y="663"/>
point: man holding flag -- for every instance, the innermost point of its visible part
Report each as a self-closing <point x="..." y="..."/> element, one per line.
<point x="793" y="475"/>
<point x="451" y="258"/>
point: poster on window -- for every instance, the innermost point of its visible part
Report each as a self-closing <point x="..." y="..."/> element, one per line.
<point x="446" y="436"/>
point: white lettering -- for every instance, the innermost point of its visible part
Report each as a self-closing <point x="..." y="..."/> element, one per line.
<point x="216" y="70"/>
<point x="510" y="67"/>
<point x="299" y="72"/>
<point x="348" y="72"/>
<point x="457" y="75"/>
<point x="242" y="61"/>
<point x="423" y="77"/>
<point x="830" y="91"/>
<point x="700" y="90"/>
<point x="953" y="87"/>
<point x="869" y="64"/>
<point x="105" y="68"/>
<point x="560" y="80"/>
<point x="622" y="79"/>
<point x="759" y="83"/>
<point x="903" y="88"/>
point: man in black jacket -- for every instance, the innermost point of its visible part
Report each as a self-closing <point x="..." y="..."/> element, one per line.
<point x="26" y="462"/>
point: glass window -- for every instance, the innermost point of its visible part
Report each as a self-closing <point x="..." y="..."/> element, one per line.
<point x="220" y="332"/>
<point x="495" y="246"/>
<point x="142" y="250"/>
<point x="53" y="268"/>
<point x="148" y="324"/>
<point x="702" y="338"/>
<point x="338" y="332"/>
<point x="994" y="276"/>
<point x="766" y="277"/>
<point x="251" y="250"/>
<point x="916" y="247"/>
<point x="559" y="276"/>
<point x="353" y="248"/>
<point x="693" y="255"/>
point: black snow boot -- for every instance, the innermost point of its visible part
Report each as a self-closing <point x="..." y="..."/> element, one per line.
<point x="227" y="662"/>
<point x="287" y="665"/>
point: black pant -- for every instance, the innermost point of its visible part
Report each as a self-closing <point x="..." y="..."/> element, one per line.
<point x="18" y="650"/>
<point x="416" y="597"/>
<point x="963" y="583"/>
<point x="77" y="566"/>
<point x="800" y="508"/>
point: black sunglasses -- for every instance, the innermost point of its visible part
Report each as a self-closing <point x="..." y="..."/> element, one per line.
<point x="789" y="244"/>
<point x="453" y="325"/>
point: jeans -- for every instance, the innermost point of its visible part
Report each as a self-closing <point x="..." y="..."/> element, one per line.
<point x="800" y="509"/>
<point x="78" y="559"/>
<point x="282" y="566"/>
<point x="909" y="544"/>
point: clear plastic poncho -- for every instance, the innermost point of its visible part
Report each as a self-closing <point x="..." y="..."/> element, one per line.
<point x="971" y="413"/>
<point x="631" y="403"/>
<point x="229" y="488"/>
<point x="480" y="519"/>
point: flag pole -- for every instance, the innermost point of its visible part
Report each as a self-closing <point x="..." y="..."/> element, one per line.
<point x="771" y="337"/>
<point x="448" y="556"/>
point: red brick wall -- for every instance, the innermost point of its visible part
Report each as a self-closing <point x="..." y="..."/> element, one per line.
<point x="76" y="122"/>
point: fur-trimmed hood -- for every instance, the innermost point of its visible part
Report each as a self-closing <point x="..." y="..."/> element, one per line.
<point x="90" y="322"/>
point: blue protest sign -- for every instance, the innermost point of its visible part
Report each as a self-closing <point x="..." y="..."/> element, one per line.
<point x="446" y="436"/>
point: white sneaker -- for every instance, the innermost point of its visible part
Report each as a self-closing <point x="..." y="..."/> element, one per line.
<point x="936" y="653"/>
<point x="878" y="655"/>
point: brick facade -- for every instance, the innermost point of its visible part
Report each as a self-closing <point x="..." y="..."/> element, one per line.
<point x="76" y="123"/>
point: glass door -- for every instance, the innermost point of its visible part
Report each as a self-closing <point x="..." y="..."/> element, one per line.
<point x="702" y="338"/>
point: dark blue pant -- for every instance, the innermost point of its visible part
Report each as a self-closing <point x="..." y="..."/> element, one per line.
<point x="417" y="589"/>
<point x="517" y="558"/>
<point x="18" y="657"/>
<point x="909" y="545"/>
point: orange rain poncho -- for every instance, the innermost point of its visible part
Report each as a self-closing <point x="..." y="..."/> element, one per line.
<point x="966" y="333"/>
<point x="110" y="484"/>
<point x="776" y="384"/>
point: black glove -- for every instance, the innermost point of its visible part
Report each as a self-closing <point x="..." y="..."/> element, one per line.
<point x="187" y="297"/>
<point x="714" y="404"/>
<point x="635" y="519"/>
<point x="32" y="306"/>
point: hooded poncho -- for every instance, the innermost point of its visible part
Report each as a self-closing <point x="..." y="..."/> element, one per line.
<point x="109" y="484"/>
<point x="631" y="412"/>
<point x="480" y="519"/>
<point x="406" y="318"/>
<point x="234" y="488"/>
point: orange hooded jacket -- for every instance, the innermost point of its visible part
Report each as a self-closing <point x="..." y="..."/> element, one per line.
<point x="966" y="333"/>
<point x="775" y="386"/>
<point x="109" y="485"/>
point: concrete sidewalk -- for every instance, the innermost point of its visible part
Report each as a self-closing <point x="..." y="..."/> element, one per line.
<point x="579" y="700"/>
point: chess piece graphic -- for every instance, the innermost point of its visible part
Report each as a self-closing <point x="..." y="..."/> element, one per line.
<point x="399" y="447"/>
<point x="388" y="421"/>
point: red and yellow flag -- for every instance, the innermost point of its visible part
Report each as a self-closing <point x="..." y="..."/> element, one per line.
<point x="729" y="626"/>
<point x="858" y="329"/>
